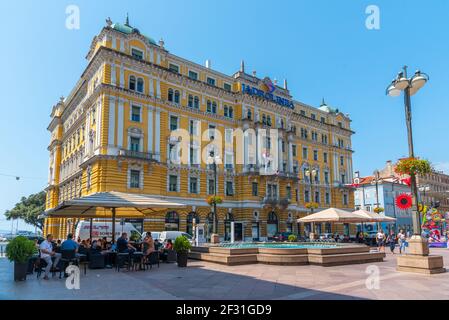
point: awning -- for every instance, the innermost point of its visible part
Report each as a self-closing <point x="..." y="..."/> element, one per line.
<point x="334" y="215"/>
<point x="374" y="217"/>
<point x="100" y="205"/>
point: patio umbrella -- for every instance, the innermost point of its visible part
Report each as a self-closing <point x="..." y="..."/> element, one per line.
<point x="334" y="215"/>
<point x="374" y="217"/>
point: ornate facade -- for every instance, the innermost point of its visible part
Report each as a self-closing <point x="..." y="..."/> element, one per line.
<point x="113" y="133"/>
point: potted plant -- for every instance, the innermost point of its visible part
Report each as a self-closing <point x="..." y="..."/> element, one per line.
<point x="379" y="210"/>
<point x="135" y="236"/>
<point x="20" y="250"/>
<point x="182" y="247"/>
<point x="412" y="166"/>
<point x="292" y="238"/>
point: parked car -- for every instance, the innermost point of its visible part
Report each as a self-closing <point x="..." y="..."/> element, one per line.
<point x="154" y="234"/>
<point x="103" y="229"/>
<point x="172" y="235"/>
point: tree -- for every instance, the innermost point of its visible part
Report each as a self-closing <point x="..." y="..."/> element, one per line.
<point x="29" y="209"/>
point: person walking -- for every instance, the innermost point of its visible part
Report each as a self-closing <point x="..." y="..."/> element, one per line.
<point x="392" y="241"/>
<point x="380" y="238"/>
<point x="402" y="239"/>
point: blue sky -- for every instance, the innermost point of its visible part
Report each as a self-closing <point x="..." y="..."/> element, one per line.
<point x="322" y="47"/>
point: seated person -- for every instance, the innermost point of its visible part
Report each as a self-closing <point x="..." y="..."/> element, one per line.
<point x="157" y="245"/>
<point x="168" y="246"/>
<point x="96" y="246"/>
<point x="104" y="243"/>
<point x="47" y="253"/>
<point x="123" y="246"/>
<point x="69" y="244"/>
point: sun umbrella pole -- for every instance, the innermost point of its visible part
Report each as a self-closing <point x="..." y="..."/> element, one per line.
<point x="90" y="228"/>
<point x="113" y="225"/>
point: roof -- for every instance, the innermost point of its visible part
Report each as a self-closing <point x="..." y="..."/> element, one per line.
<point x="127" y="29"/>
<point x="100" y="205"/>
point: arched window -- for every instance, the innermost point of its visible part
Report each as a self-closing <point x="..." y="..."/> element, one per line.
<point x="225" y="112"/>
<point x="170" y="95"/>
<point x="264" y="119"/>
<point x="272" y="224"/>
<point x="231" y="112"/>
<point x="248" y="114"/>
<point x="214" y="107"/>
<point x="196" y="102"/>
<point x="190" y="217"/>
<point x="269" y="121"/>
<point x="176" y="96"/>
<point x="172" y="221"/>
<point x="132" y="83"/>
<point x="140" y="85"/>
<point x="282" y="124"/>
<point x="190" y="101"/>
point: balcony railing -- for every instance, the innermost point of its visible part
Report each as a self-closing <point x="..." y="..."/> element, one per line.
<point x="138" y="155"/>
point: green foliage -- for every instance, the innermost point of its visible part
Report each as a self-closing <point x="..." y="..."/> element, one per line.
<point x="135" y="236"/>
<point x="182" y="244"/>
<point x="292" y="238"/>
<point x="20" y="249"/>
<point x="29" y="209"/>
<point x="411" y="166"/>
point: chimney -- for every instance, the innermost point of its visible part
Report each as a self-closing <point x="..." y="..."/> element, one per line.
<point x="357" y="174"/>
<point x="285" y="84"/>
<point x="254" y="73"/>
<point x="208" y="64"/>
<point x="242" y="66"/>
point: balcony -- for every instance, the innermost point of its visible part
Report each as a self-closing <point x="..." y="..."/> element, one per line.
<point x="137" y="155"/>
<point x="275" y="201"/>
<point x="251" y="169"/>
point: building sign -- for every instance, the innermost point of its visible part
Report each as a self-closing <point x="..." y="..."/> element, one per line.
<point x="267" y="92"/>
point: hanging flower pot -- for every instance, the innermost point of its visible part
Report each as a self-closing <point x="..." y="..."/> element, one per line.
<point x="214" y="200"/>
<point x="311" y="205"/>
<point x="379" y="210"/>
<point x="404" y="201"/>
<point x="409" y="166"/>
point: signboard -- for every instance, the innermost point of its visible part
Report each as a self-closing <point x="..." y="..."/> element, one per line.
<point x="267" y="92"/>
<point x="199" y="234"/>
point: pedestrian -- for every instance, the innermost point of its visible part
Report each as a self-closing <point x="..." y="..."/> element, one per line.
<point x="402" y="241"/>
<point x="380" y="238"/>
<point x="392" y="241"/>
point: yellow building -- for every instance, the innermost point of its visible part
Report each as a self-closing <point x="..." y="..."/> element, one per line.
<point x="113" y="133"/>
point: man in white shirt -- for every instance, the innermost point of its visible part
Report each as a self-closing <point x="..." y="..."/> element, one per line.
<point x="402" y="240"/>
<point x="47" y="253"/>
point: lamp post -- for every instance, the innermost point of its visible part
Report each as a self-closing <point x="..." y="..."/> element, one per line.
<point x="213" y="160"/>
<point x="418" y="259"/>
<point x="376" y="182"/>
<point x="311" y="174"/>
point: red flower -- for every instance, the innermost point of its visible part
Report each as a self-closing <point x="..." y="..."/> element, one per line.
<point x="404" y="201"/>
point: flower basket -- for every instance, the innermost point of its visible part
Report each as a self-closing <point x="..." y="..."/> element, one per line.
<point x="412" y="166"/>
<point x="379" y="210"/>
<point x="214" y="200"/>
<point x="311" y="205"/>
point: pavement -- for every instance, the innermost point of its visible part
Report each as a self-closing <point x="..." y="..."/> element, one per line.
<point x="205" y="281"/>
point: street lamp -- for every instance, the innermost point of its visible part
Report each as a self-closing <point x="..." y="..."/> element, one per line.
<point x="409" y="86"/>
<point x="418" y="259"/>
<point x="213" y="159"/>
<point x="376" y="182"/>
<point x="311" y="174"/>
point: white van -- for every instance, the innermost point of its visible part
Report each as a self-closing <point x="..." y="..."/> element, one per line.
<point x="102" y="229"/>
<point x="172" y="235"/>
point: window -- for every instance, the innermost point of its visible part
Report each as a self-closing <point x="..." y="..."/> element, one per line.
<point x="176" y="100"/>
<point x="294" y="150"/>
<point x="342" y="161"/>
<point x="328" y="198"/>
<point x="193" y="75"/>
<point x="227" y="87"/>
<point x="297" y="195"/>
<point x="140" y="85"/>
<point x="345" y="199"/>
<point x="211" y="131"/>
<point x="343" y="178"/>
<point x="255" y="189"/>
<point x="211" y="187"/>
<point x="289" y="192"/>
<point x="229" y="188"/>
<point x="196" y="102"/>
<point x="211" y="81"/>
<point x="269" y="121"/>
<point x="323" y="120"/>
<point x="134" y="179"/>
<point x="283" y="145"/>
<point x="304" y="153"/>
<point x="264" y="119"/>
<point x="193" y="185"/>
<point x="190" y="101"/>
<point x="134" y="144"/>
<point x="317" y="196"/>
<point x="315" y="155"/>
<point x="340" y="125"/>
<point x="325" y="157"/>
<point x="313" y="116"/>
<point x="231" y="112"/>
<point x="173" y="68"/>
<point x="326" y="177"/>
<point x="138" y="54"/>
<point x="209" y="106"/>
<point x="214" y="107"/>
<point x="135" y="114"/>
<point x="225" y="111"/>
<point x="132" y="83"/>
<point x="173" y="123"/>
<point x="192" y="127"/>
<point x="170" y="95"/>
<point x="306" y="196"/>
<point x="302" y="112"/>
<point x="248" y="114"/>
<point x="173" y="183"/>
<point x="324" y="138"/>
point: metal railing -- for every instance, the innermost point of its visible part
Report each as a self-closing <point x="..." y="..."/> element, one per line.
<point x="137" y="155"/>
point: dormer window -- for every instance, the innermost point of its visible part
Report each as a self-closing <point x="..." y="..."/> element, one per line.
<point x="138" y="54"/>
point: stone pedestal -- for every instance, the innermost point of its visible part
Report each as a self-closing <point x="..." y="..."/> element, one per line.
<point x="417" y="259"/>
<point x="214" y="238"/>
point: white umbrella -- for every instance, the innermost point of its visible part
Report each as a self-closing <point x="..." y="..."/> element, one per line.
<point x="334" y="215"/>
<point x="374" y="217"/>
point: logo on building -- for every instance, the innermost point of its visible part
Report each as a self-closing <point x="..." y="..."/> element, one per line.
<point x="267" y="85"/>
